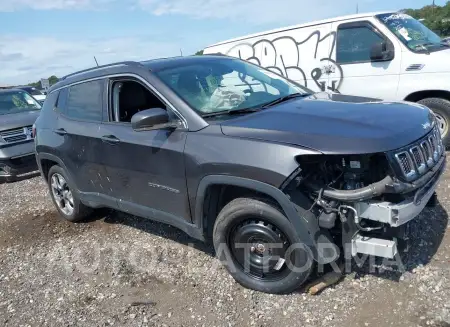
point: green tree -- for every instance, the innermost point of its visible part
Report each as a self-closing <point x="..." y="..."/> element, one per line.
<point x="52" y="80"/>
<point x="199" y="53"/>
<point x="436" y="18"/>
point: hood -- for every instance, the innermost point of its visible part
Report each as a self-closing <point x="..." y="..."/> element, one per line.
<point x="18" y="119"/>
<point x="336" y="124"/>
<point x="435" y="62"/>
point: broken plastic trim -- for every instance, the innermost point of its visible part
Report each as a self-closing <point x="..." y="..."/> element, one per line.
<point x="386" y="185"/>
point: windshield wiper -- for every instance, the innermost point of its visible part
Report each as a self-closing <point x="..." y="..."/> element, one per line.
<point x="285" y="98"/>
<point x="423" y="47"/>
<point x="256" y="108"/>
<point x="231" y="112"/>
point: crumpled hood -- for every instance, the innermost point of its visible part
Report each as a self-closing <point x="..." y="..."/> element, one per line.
<point x="336" y="124"/>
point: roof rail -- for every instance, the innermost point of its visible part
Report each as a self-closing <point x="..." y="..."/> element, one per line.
<point x="126" y="63"/>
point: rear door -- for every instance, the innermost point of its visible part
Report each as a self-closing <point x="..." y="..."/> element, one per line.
<point x="80" y="123"/>
<point x="361" y="75"/>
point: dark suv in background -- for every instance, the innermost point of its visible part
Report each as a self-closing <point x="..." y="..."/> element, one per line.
<point x="279" y="178"/>
<point x="18" y="112"/>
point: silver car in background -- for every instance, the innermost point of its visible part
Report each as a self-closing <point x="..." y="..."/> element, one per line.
<point x="18" y="112"/>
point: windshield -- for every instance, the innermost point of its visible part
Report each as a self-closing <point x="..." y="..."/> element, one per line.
<point x="16" y="101"/>
<point x="411" y="32"/>
<point x="226" y="85"/>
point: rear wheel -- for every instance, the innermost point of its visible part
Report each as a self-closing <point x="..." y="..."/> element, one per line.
<point x="65" y="197"/>
<point x="260" y="248"/>
<point x="441" y="109"/>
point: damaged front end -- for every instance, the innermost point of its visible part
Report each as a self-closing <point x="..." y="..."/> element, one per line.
<point x="366" y="201"/>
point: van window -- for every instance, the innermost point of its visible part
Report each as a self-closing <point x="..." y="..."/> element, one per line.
<point x="354" y="44"/>
<point x="85" y="101"/>
<point x="411" y="32"/>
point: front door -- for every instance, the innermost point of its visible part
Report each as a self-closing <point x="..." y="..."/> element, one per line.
<point x="146" y="168"/>
<point x="361" y="75"/>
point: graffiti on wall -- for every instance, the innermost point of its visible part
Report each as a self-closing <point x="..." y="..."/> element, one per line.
<point x="307" y="62"/>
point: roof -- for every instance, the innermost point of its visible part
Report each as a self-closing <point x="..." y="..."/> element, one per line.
<point x="318" y="22"/>
<point x="163" y="63"/>
<point x="9" y="90"/>
<point x="130" y="67"/>
<point x="25" y="87"/>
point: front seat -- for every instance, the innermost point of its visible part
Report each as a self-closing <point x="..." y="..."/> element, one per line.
<point x="132" y="99"/>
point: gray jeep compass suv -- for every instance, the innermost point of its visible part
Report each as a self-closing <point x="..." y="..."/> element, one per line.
<point x="279" y="178"/>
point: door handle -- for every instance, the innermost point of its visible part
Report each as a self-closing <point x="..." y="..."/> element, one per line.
<point x="110" y="139"/>
<point x="60" y="131"/>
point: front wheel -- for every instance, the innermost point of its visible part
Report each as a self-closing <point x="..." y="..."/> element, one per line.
<point x="441" y="109"/>
<point x="260" y="247"/>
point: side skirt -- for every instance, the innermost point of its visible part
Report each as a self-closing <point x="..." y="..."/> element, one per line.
<point x="96" y="200"/>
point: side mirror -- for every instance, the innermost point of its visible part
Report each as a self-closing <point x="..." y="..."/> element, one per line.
<point x="381" y="52"/>
<point x="152" y="119"/>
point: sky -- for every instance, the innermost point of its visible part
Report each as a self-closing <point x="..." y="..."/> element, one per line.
<point x="40" y="38"/>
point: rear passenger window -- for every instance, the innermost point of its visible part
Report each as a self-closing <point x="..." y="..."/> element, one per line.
<point x="85" y="101"/>
<point x="354" y="44"/>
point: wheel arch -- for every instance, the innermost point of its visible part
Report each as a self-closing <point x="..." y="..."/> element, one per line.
<point x="420" y="95"/>
<point x="211" y="189"/>
<point x="46" y="161"/>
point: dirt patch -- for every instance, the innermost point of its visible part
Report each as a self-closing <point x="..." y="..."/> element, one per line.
<point x="120" y="270"/>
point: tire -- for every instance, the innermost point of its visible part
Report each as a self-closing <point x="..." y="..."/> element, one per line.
<point x="78" y="210"/>
<point x="441" y="108"/>
<point x="245" y="221"/>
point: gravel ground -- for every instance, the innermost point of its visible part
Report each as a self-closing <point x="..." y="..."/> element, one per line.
<point x="126" y="271"/>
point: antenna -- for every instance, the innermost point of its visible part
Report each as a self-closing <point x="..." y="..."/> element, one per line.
<point x="96" y="61"/>
<point x="357" y="8"/>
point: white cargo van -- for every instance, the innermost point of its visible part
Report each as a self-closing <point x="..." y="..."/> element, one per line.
<point x="390" y="56"/>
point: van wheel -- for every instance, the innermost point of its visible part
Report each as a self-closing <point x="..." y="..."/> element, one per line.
<point x="260" y="248"/>
<point x="441" y="109"/>
<point x="64" y="197"/>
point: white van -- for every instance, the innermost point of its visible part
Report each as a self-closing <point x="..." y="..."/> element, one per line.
<point x="389" y="56"/>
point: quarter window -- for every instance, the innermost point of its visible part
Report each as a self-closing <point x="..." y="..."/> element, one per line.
<point x="85" y="101"/>
<point x="354" y="44"/>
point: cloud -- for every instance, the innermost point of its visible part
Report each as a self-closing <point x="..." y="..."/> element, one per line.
<point x="13" y="5"/>
<point x="27" y="59"/>
<point x="249" y="11"/>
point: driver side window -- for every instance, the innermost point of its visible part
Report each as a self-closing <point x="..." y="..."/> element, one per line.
<point x="354" y="44"/>
<point x="128" y="97"/>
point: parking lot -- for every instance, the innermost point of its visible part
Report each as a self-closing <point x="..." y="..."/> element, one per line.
<point x="125" y="271"/>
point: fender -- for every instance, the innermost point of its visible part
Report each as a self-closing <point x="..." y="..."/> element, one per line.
<point x="319" y="241"/>
<point x="304" y="229"/>
<point x="49" y="156"/>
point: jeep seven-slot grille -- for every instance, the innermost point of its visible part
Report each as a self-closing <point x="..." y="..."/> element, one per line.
<point x="420" y="156"/>
<point x="16" y="135"/>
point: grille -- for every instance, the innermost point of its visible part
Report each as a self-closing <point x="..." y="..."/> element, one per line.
<point x="406" y="164"/>
<point x="420" y="156"/>
<point x="16" y="135"/>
